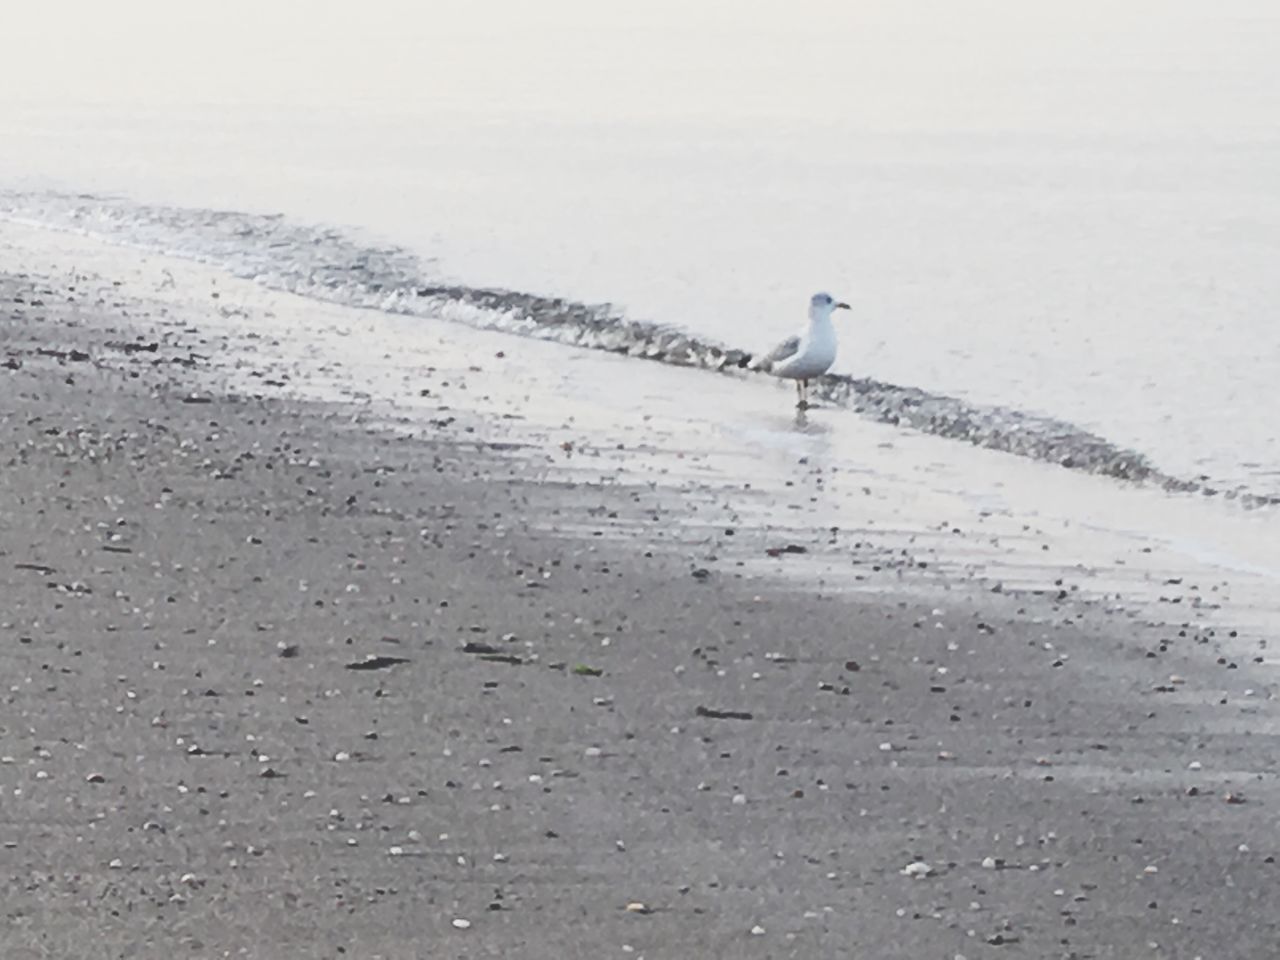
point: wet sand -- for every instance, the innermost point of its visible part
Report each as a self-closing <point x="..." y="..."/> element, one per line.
<point x="283" y="681"/>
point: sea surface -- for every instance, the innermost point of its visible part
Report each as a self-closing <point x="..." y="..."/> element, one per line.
<point x="1070" y="212"/>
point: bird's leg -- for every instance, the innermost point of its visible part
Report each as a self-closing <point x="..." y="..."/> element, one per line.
<point x="799" y="394"/>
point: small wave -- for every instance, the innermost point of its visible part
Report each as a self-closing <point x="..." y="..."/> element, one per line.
<point x="333" y="265"/>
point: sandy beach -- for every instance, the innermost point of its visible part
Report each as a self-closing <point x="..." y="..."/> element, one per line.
<point x="292" y="670"/>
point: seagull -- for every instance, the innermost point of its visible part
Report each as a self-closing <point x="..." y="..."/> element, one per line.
<point x="808" y="354"/>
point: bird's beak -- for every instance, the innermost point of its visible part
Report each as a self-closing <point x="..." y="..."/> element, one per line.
<point x="842" y="306"/>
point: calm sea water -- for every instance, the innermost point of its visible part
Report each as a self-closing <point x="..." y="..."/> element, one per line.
<point x="1068" y="208"/>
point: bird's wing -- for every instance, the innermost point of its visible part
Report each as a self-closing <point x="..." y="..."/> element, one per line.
<point x="778" y="354"/>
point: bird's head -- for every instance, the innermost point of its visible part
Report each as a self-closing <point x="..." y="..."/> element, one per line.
<point x="823" y="304"/>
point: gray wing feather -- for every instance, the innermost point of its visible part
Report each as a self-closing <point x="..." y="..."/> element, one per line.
<point x="778" y="354"/>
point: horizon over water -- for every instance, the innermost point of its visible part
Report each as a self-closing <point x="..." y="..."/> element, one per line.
<point x="1072" y="211"/>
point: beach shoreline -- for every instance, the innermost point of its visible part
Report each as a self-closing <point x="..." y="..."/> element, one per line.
<point x="296" y="668"/>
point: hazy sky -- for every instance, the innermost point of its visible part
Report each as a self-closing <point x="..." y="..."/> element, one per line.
<point x="893" y="62"/>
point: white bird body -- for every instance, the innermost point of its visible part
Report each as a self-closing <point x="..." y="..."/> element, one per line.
<point x="808" y="354"/>
<point x="814" y="353"/>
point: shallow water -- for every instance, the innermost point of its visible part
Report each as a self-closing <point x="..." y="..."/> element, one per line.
<point x="979" y="518"/>
<point x="1072" y="211"/>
